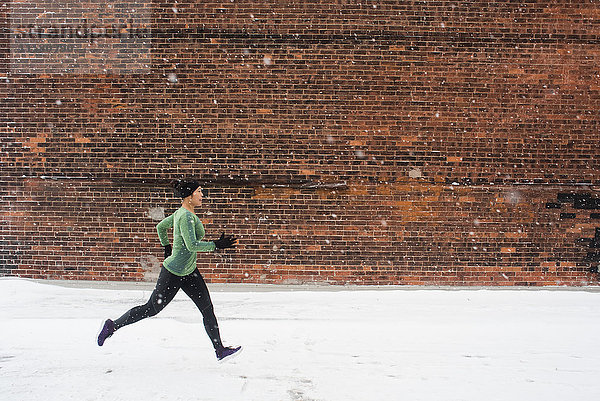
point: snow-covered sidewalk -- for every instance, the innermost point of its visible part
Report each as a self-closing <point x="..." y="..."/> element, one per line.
<point x="303" y="345"/>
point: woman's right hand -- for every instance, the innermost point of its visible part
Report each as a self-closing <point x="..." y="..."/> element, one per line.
<point x="168" y="250"/>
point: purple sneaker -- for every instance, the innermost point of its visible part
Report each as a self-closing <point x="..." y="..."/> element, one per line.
<point x="107" y="330"/>
<point x="227" y="353"/>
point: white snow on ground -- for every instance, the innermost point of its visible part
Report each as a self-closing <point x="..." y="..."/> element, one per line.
<point x="303" y="345"/>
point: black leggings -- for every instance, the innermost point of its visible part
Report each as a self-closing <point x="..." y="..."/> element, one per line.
<point x="167" y="286"/>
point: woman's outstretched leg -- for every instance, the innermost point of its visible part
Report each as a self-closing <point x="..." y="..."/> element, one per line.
<point x="166" y="288"/>
<point x="195" y="288"/>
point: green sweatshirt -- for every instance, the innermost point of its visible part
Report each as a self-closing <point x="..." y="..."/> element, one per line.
<point x="188" y="232"/>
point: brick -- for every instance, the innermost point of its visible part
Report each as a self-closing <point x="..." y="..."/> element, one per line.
<point x="376" y="149"/>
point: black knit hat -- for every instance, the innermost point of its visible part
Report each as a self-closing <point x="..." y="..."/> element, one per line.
<point x="184" y="188"/>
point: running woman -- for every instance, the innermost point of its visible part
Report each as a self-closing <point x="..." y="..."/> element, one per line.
<point x="179" y="268"/>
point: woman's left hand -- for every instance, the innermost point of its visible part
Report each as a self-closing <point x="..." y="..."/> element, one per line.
<point x="225" y="241"/>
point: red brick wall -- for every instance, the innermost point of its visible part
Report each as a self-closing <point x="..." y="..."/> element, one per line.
<point x="367" y="142"/>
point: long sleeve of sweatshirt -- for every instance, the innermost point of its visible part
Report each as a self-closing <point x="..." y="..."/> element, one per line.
<point x="188" y="232"/>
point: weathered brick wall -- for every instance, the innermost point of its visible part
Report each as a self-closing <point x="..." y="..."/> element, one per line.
<point x="367" y="142"/>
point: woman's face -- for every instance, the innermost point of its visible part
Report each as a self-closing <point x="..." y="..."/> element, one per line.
<point x="196" y="197"/>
